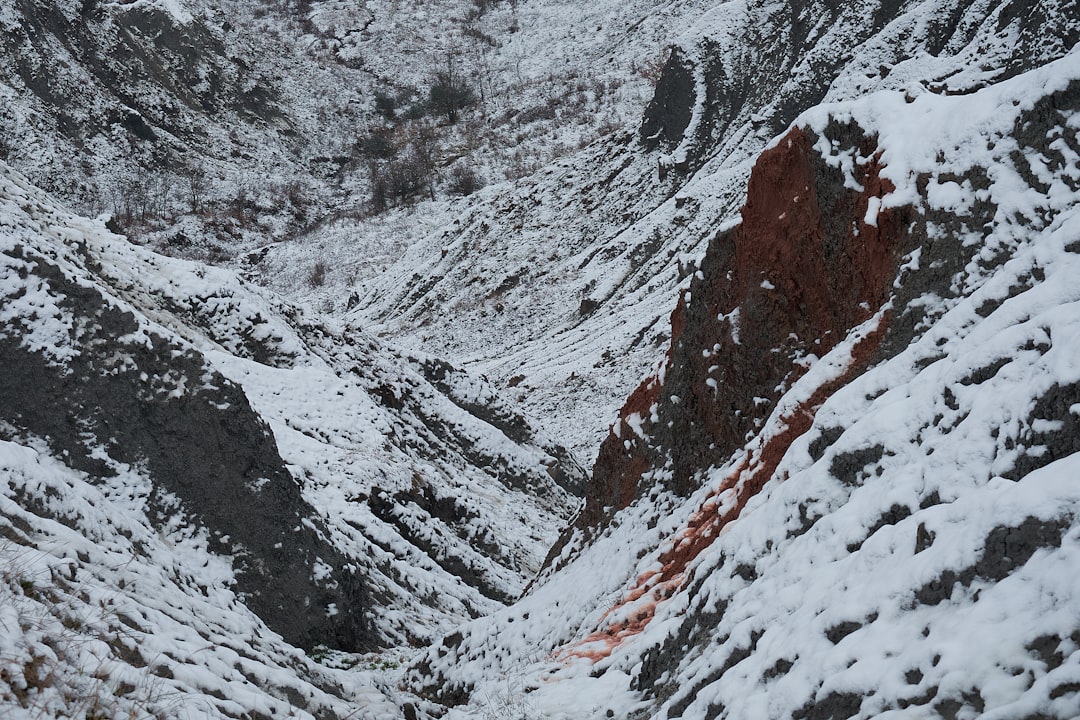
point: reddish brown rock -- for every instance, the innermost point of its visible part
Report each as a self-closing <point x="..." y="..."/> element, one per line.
<point x="756" y="467"/>
<point x="802" y="269"/>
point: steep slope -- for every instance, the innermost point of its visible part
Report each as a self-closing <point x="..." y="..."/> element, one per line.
<point x="849" y="490"/>
<point x="102" y="616"/>
<point x="563" y="286"/>
<point x="342" y="494"/>
<point x="149" y="110"/>
<point x="106" y="391"/>
<point x="846" y="490"/>
<point x="209" y="129"/>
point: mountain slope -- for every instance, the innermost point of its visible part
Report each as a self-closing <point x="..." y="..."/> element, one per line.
<point x="890" y="537"/>
<point x="573" y="272"/>
<point x="209" y="130"/>
<point x="347" y="496"/>
<point x="845" y="490"/>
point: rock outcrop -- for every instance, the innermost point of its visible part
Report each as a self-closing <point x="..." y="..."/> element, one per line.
<point x="813" y="258"/>
<point x="108" y="392"/>
<point x="762" y="65"/>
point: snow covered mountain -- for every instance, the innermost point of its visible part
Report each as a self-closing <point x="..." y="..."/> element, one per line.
<point x="208" y="129"/>
<point x="564" y="283"/>
<point x="849" y="490"/>
<point x="163" y="419"/>
<point x="839" y="243"/>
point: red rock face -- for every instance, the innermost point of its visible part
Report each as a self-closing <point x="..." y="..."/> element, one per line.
<point x="621" y="456"/>
<point x="802" y="269"/>
<point x="723" y="506"/>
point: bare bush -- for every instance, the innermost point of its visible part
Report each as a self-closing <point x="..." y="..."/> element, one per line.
<point x="407" y="174"/>
<point x="449" y="94"/>
<point x="317" y="276"/>
<point x="195" y="177"/>
<point x="464" y="180"/>
<point x="376" y="144"/>
<point x="385" y="104"/>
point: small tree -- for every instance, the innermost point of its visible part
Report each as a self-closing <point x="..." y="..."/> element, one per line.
<point x="379" y="179"/>
<point x="385" y="104"/>
<point x="317" y="276"/>
<point x="195" y="175"/>
<point x="377" y="144"/>
<point x="464" y="180"/>
<point x="448" y="95"/>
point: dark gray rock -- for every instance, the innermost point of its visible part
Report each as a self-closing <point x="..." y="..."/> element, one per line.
<point x="1005" y="549"/>
<point x="672" y="105"/>
<point x="147" y="401"/>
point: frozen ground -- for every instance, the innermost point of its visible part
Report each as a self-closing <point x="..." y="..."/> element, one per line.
<point x="909" y="556"/>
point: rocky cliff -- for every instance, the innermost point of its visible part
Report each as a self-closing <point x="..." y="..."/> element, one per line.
<point x="806" y="266"/>
<point x="855" y="453"/>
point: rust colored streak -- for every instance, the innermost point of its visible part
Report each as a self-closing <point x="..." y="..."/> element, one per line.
<point x="719" y="509"/>
<point x="802" y="269"/>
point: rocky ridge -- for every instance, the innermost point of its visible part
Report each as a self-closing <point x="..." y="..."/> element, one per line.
<point x="905" y="476"/>
<point x="336" y="495"/>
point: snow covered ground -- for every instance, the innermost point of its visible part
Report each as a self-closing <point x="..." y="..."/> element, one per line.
<point x="443" y="498"/>
<point x="101" y="616"/>
<point x="911" y="554"/>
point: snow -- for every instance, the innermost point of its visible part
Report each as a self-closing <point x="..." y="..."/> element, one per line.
<point x="557" y="285"/>
<point x="174" y="8"/>
<point x="628" y="248"/>
<point x="952" y="417"/>
<point x="102" y="614"/>
<point x="353" y="420"/>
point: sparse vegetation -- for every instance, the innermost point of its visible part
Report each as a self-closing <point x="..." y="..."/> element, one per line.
<point x="404" y="175"/>
<point x="61" y="662"/>
<point x="449" y="95"/>
<point x="317" y="276"/>
<point x="464" y="180"/>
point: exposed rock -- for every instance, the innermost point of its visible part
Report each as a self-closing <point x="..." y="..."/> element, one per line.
<point x="672" y="105"/>
<point x="806" y="265"/>
<point x="141" y="399"/>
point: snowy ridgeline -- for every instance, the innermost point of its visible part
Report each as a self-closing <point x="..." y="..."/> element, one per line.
<point x="563" y="283"/>
<point x="192" y="469"/>
<point x="914" y="552"/>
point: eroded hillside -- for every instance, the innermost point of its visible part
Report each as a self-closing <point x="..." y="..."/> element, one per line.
<point x="856" y="460"/>
<point x="313" y="488"/>
<point x="840" y="246"/>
